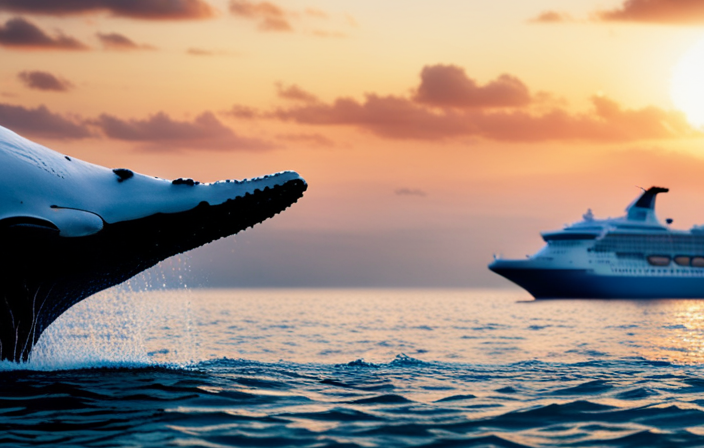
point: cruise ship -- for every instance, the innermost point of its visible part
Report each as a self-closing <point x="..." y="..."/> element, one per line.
<point x="633" y="256"/>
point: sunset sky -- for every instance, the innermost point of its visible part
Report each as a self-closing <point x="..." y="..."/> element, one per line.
<point x="432" y="134"/>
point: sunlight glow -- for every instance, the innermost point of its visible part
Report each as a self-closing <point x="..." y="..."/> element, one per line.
<point x="687" y="88"/>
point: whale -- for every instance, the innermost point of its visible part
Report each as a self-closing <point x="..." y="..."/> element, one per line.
<point x="69" y="228"/>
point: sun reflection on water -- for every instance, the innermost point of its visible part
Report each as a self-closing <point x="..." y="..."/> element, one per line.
<point x="679" y="337"/>
<point x="343" y="326"/>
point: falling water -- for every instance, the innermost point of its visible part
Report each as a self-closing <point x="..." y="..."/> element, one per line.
<point x="145" y="321"/>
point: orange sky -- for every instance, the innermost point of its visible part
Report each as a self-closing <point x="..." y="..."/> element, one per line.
<point x="432" y="134"/>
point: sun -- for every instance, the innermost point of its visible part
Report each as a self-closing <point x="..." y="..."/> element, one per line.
<point x="687" y="88"/>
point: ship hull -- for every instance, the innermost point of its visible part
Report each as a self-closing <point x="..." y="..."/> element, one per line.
<point x="585" y="284"/>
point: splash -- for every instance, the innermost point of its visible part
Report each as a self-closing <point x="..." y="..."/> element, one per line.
<point x="145" y="322"/>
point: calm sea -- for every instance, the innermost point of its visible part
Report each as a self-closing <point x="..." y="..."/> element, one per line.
<point x="360" y="368"/>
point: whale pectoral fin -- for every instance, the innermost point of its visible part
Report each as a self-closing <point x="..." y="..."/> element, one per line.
<point x="65" y="222"/>
<point x="28" y="223"/>
<point x="74" y="223"/>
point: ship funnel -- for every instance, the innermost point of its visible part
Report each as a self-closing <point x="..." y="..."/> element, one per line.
<point x="643" y="208"/>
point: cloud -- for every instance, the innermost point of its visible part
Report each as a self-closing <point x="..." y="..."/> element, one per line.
<point x="275" y="24"/>
<point x="449" y="86"/>
<point x="449" y="105"/>
<point x="136" y="9"/>
<point x="205" y="131"/>
<point x="351" y="21"/>
<point x="40" y="122"/>
<point x="269" y="16"/>
<point x="551" y="17"/>
<point x="20" y="33"/>
<point x="204" y="52"/>
<point x="244" y="112"/>
<point x="295" y="93"/>
<point x="245" y="8"/>
<point x="386" y="116"/>
<point x="401" y="118"/>
<point x="157" y="131"/>
<point x="115" y="41"/>
<point x="44" y="81"/>
<point x="313" y="12"/>
<point x="199" y="52"/>
<point x="657" y="11"/>
<point x="606" y="122"/>
<point x="409" y="192"/>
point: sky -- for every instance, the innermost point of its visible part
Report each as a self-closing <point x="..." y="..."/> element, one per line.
<point x="432" y="134"/>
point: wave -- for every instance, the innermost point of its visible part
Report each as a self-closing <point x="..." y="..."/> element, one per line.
<point x="403" y="402"/>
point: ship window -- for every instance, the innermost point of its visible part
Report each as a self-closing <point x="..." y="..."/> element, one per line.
<point x="683" y="260"/>
<point x="661" y="260"/>
<point x="636" y="255"/>
<point x="698" y="262"/>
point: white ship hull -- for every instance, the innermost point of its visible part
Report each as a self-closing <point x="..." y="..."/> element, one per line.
<point x="630" y="257"/>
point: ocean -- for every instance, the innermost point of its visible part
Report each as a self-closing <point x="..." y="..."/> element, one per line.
<point x="359" y="368"/>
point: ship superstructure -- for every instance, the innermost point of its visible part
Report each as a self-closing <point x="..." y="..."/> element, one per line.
<point x="633" y="256"/>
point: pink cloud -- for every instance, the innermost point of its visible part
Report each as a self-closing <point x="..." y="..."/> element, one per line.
<point x="116" y="41"/>
<point x="158" y="131"/>
<point x="136" y="9"/>
<point x="242" y="112"/>
<point x="551" y="17"/>
<point x="204" y="131"/>
<point x="657" y="11"/>
<point x="40" y="122"/>
<point x="269" y="16"/>
<point x="317" y="13"/>
<point x="275" y="24"/>
<point x="433" y="114"/>
<point x="386" y="116"/>
<point x="19" y="33"/>
<point x="44" y="81"/>
<point x="606" y="122"/>
<point x="449" y="86"/>
<point x="295" y="93"/>
<point x="199" y="52"/>
<point x="206" y="52"/>
<point x="246" y="8"/>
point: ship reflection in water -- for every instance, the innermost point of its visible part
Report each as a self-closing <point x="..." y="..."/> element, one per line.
<point x="633" y="256"/>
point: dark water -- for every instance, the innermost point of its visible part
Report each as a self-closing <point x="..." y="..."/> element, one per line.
<point x="284" y="368"/>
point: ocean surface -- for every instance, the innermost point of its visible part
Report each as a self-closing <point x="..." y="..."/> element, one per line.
<point x="359" y="368"/>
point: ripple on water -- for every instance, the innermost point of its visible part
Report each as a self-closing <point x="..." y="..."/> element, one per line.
<point x="552" y="374"/>
<point x="315" y="404"/>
